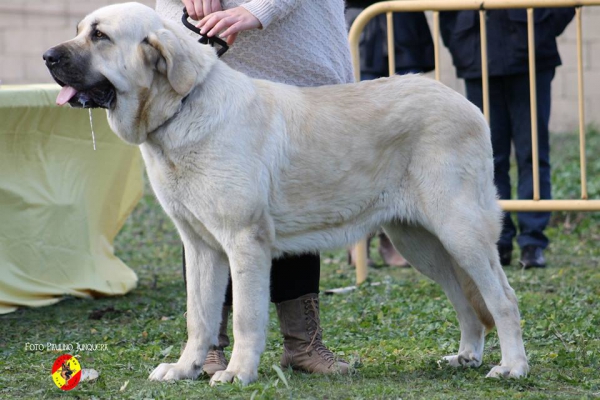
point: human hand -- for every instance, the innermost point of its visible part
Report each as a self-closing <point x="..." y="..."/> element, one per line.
<point x="229" y="22"/>
<point x="198" y="9"/>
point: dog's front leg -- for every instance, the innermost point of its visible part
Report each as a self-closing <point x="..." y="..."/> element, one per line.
<point x="250" y="261"/>
<point x="207" y="272"/>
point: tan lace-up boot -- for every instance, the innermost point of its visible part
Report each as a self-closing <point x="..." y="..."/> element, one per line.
<point x="215" y="359"/>
<point x="303" y="348"/>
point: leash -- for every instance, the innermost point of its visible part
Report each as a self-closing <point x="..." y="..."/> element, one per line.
<point x="204" y="39"/>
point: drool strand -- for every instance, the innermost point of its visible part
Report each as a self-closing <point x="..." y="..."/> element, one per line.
<point x="92" y="127"/>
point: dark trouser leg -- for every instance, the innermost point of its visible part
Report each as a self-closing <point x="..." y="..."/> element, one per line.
<point x="501" y="130"/>
<point x="228" y="294"/>
<point x="292" y="276"/>
<point x="531" y="224"/>
<point x="183" y="265"/>
<point x="367" y="76"/>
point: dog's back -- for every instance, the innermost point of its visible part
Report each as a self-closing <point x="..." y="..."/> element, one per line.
<point x="359" y="155"/>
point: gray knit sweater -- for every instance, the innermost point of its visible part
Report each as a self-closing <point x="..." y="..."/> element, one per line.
<point x="302" y="42"/>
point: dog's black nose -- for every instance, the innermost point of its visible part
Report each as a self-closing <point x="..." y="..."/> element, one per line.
<point x="52" y="56"/>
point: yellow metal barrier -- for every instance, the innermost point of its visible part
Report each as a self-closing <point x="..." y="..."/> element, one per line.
<point x="389" y="7"/>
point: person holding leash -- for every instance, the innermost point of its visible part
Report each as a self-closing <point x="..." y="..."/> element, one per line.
<point x="302" y="43"/>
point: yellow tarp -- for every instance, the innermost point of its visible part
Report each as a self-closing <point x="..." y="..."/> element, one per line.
<point x="61" y="202"/>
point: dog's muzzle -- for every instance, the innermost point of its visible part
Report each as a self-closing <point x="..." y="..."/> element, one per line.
<point x="75" y="90"/>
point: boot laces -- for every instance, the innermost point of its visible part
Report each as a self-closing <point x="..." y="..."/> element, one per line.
<point x="314" y="329"/>
<point x="216" y="356"/>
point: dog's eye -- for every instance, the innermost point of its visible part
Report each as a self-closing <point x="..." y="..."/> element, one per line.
<point x="99" y="35"/>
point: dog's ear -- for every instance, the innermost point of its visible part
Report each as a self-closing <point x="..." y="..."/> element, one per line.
<point x="173" y="61"/>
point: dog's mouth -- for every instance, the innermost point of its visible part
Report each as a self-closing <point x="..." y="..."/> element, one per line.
<point x="100" y="95"/>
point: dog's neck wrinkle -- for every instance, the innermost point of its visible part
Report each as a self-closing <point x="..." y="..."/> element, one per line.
<point x="168" y="120"/>
<point x="165" y="135"/>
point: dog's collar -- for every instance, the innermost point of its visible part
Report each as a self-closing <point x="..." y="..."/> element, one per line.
<point x="204" y="39"/>
<point x="181" y="104"/>
<point x="180" y="107"/>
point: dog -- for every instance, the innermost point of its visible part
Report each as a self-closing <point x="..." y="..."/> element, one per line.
<point x="249" y="169"/>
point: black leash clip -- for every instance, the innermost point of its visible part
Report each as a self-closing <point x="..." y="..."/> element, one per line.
<point x="204" y="39"/>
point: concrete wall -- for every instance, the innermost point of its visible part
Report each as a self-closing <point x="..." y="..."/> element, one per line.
<point x="28" y="27"/>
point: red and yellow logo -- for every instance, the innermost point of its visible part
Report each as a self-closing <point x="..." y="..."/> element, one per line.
<point x="66" y="372"/>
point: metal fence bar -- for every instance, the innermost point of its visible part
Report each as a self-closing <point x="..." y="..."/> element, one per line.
<point x="390" y="43"/>
<point x="436" y="44"/>
<point x="457" y="5"/>
<point x="360" y="249"/>
<point x="582" y="159"/>
<point x="436" y="6"/>
<point x="550" y="205"/>
<point x="362" y="268"/>
<point x="533" y="104"/>
<point x="485" y="82"/>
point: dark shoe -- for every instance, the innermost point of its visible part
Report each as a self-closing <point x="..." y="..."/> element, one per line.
<point x="215" y="361"/>
<point x="303" y="348"/>
<point x="532" y="257"/>
<point x="505" y="253"/>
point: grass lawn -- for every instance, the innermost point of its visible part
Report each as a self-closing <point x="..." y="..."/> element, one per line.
<point x="393" y="334"/>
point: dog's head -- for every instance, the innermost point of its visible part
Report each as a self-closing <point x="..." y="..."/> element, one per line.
<point x="127" y="59"/>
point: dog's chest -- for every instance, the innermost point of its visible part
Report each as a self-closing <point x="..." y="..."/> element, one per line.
<point x="181" y="187"/>
<point x="169" y="177"/>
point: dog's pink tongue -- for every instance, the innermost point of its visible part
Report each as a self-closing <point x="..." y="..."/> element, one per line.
<point x="66" y="94"/>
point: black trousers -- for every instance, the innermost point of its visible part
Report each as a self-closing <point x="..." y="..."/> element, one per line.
<point x="292" y="276"/>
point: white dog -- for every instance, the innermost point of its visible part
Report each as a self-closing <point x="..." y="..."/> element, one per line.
<point x="249" y="169"/>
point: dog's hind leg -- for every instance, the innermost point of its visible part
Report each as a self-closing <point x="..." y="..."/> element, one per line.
<point x="207" y="273"/>
<point x="426" y="254"/>
<point x="468" y="233"/>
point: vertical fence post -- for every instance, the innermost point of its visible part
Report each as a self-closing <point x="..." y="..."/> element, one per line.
<point x="533" y="104"/>
<point x="485" y="83"/>
<point x="436" y="44"/>
<point x="390" y="43"/>
<point x="582" y="158"/>
<point x="360" y="248"/>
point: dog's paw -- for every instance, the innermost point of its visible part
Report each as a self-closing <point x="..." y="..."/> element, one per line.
<point x="173" y="372"/>
<point x="464" y="359"/>
<point x="518" y="370"/>
<point x="229" y="376"/>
